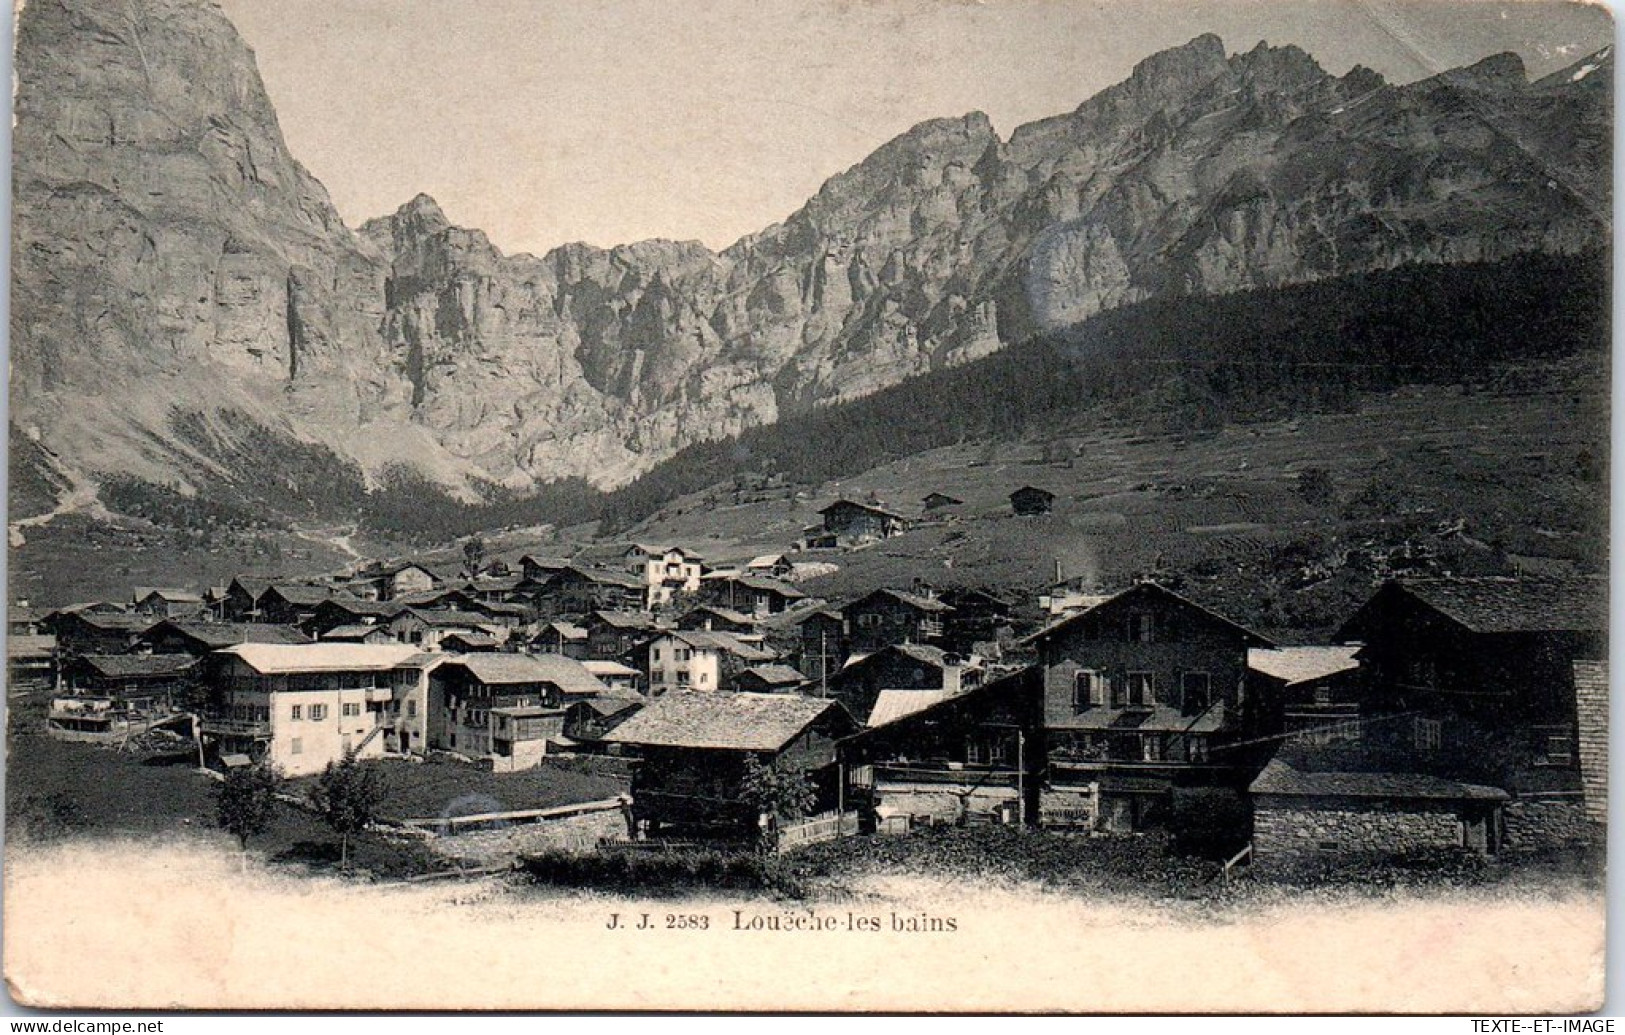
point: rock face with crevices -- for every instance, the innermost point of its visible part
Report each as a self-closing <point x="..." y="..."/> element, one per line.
<point x="172" y="258"/>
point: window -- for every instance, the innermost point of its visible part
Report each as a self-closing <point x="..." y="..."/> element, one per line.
<point x="1323" y="695"/>
<point x="682" y="654"/>
<point x="998" y="751"/>
<point x="682" y="677"/>
<point x="352" y="710"/>
<point x="1197" y="690"/>
<point x="1151" y="747"/>
<point x="411" y="707"/>
<point x="297" y="713"/>
<point x="1426" y="734"/>
<point x="654" y="654"/>
<point x="1421" y="672"/>
<point x="1196" y="749"/>
<point x="318" y="712"/>
<point x="657" y="676"/>
<point x="1088" y="689"/>
<point x="1141" y="628"/>
<point x="1558" y="747"/>
<point x="296" y="746"/>
<point x="703" y="678"/>
<point x="868" y="621"/>
<point x="1141" y="689"/>
<point x="974" y="752"/>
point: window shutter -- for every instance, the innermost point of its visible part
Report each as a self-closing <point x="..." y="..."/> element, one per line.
<point x="1097" y="688"/>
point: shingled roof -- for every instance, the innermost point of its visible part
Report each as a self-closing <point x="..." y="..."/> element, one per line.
<point x="506" y="669"/>
<point x="132" y="666"/>
<point x="1302" y="664"/>
<point x="214" y="635"/>
<point x="1503" y="604"/>
<point x="1280" y="778"/>
<point x="726" y="722"/>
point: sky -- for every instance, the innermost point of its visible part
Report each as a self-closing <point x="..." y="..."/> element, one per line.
<point x="608" y="121"/>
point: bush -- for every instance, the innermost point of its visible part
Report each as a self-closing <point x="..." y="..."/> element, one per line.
<point x="656" y="872"/>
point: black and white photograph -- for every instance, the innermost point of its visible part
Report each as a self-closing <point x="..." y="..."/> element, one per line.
<point x="833" y="506"/>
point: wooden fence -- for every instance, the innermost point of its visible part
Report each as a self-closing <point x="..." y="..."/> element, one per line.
<point x="826" y="827"/>
<point x="459" y="824"/>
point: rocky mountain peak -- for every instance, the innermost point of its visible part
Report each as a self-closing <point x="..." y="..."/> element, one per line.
<point x="164" y="237"/>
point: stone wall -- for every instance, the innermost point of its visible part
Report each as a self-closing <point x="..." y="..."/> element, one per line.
<point x="1532" y="823"/>
<point x="1283" y="829"/>
<point x="1591" y="706"/>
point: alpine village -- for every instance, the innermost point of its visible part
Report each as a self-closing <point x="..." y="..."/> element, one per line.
<point x="1206" y="486"/>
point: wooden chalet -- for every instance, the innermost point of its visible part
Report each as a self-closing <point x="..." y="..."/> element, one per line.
<point x="772" y="565"/>
<point x="97" y="632"/>
<point x="957" y="758"/>
<point x="936" y="501"/>
<point x="181" y="636"/>
<point x="979" y="616"/>
<point x="241" y="600"/>
<point x="713" y="618"/>
<point x="346" y="611"/>
<point x="755" y="595"/>
<point x="889" y="616"/>
<point x="692" y="750"/>
<point x="580" y="590"/>
<point x="770" y="679"/>
<point x="163" y="602"/>
<point x="1029" y="500"/>
<point x="848" y="522"/>
<point x="504" y="707"/>
<point x="292" y="603"/>
<point x="561" y="637"/>
<point x="824" y="645"/>
<point x="134" y="682"/>
<point x="617" y="635"/>
<point x="1146" y="695"/>
<point x="903" y="666"/>
<point x="1472" y="680"/>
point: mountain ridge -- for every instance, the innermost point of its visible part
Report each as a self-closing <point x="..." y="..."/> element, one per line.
<point x="228" y="284"/>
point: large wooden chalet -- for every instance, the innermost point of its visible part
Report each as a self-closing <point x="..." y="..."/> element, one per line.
<point x="692" y="750"/>
<point x="1144" y="694"/>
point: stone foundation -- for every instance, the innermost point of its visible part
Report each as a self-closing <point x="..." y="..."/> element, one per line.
<point x="1281" y="831"/>
<point x="1534" y="823"/>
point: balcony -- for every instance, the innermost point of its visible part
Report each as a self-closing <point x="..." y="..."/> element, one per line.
<point x="379" y="693"/>
<point x="237" y="728"/>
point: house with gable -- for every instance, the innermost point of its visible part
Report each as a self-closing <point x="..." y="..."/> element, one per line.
<point x="1147" y="694"/>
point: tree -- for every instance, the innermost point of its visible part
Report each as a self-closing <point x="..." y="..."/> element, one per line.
<point x="246" y="800"/>
<point x="784" y="793"/>
<point x="473" y="555"/>
<point x="346" y="796"/>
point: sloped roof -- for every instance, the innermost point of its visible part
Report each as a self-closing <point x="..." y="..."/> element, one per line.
<point x="567" y="630"/>
<point x="609" y="668"/>
<point x="370" y="608"/>
<point x="911" y="599"/>
<point x="472" y="639"/>
<point x="1280" y="778"/>
<point x="295" y="593"/>
<point x="214" y="635"/>
<point x="768" y="584"/>
<point x="602" y="576"/>
<point x="30" y="646"/>
<point x="169" y="593"/>
<point x="730" y="722"/>
<point x="484" y="583"/>
<point x="253" y="585"/>
<point x="1159" y="718"/>
<point x="277" y="658"/>
<point x="766" y="560"/>
<point x="623" y="619"/>
<point x="776" y="675"/>
<point x="873" y="508"/>
<point x="1028" y="490"/>
<point x="1302" y="664"/>
<point x="891" y="705"/>
<point x="117" y="621"/>
<point x="720" y="641"/>
<point x="353" y="633"/>
<point x="569" y="675"/>
<point x="127" y="666"/>
<point x="439" y="618"/>
<point x="727" y="613"/>
<point x="1254" y="639"/>
<point x="609" y="705"/>
<point x="1502" y="604"/>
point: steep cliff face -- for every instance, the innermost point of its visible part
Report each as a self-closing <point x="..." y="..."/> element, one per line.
<point x="172" y="257"/>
